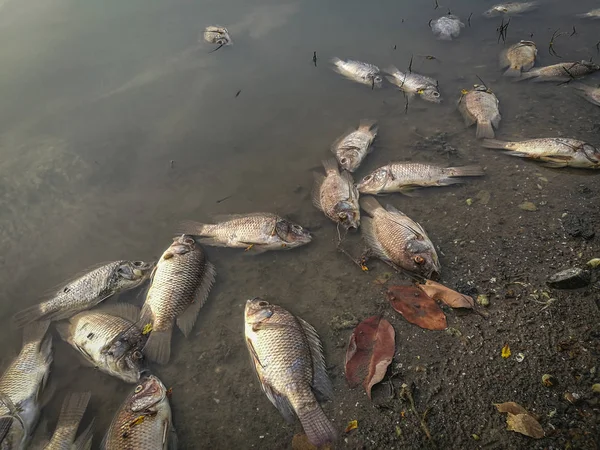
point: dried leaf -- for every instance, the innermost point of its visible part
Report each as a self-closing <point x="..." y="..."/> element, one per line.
<point x="510" y="407"/>
<point x="506" y="351"/>
<point x="370" y="352"/>
<point x="417" y="307"/>
<point x="525" y="424"/>
<point x="444" y="294"/>
<point x="352" y="425"/>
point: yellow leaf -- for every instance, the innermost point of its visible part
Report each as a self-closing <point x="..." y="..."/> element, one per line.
<point x="364" y="267"/>
<point x="505" y="351"/>
<point x="464" y="92"/>
<point x="352" y="425"/>
<point x="147" y="328"/>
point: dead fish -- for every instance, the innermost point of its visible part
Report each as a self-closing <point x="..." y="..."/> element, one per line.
<point x="143" y="421"/>
<point x="287" y="356"/>
<point x="87" y="291"/>
<point x="336" y="195"/>
<point x="480" y="106"/>
<point x="555" y="152"/>
<point x="510" y="8"/>
<point x="215" y="34"/>
<point x="561" y="72"/>
<point x="257" y="231"/>
<point x="404" y="177"/>
<point x="22" y="385"/>
<point x="351" y="148"/>
<point x="71" y="413"/>
<point x="446" y="27"/>
<point x="179" y="287"/>
<point x="414" y="84"/>
<point x="108" y="339"/>
<point x="519" y="57"/>
<point x="591" y="94"/>
<point x="395" y="238"/>
<point x="358" y="71"/>
<point x="593" y="14"/>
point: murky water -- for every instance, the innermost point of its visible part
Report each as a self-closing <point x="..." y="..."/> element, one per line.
<point x="116" y="124"/>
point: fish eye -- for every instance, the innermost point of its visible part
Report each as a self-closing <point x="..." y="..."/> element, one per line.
<point x="263" y="304"/>
<point x="368" y="178"/>
<point x="343" y="216"/>
<point x="419" y="259"/>
<point x="343" y="160"/>
<point x="137" y="354"/>
<point x="436" y="94"/>
<point x="189" y="241"/>
<point x="138" y="389"/>
<point x="139" y="263"/>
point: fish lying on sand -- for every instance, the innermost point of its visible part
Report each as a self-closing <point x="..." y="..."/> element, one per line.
<point x="561" y="72"/>
<point x="510" y="8"/>
<point x="446" y="27"/>
<point x="519" y="57"/>
<point x="404" y="177"/>
<point x="591" y="94"/>
<point x="414" y="84"/>
<point x="258" y="232"/>
<point x="351" y="148"/>
<point x="287" y="356"/>
<point x="555" y="152"/>
<point x="71" y="413"/>
<point x="358" y="71"/>
<point x="482" y="107"/>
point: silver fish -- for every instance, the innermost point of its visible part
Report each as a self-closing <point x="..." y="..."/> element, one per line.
<point x="590" y="93"/>
<point x="561" y="72"/>
<point x="258" y="232"/>
<point x="71" y="413"/>
<point x="87" y="291"/>
<point x="593" y="14"/>
<point x="519" y="57"/>
<point x="358" y="71"/>
<point x="405" y="177"/>
<point x="287" y="356"/>
<point x="480" y="106"/>
<point x="351" y="148"/>
<point x="414" y="84"/>
<point x="23" y="383"/>
<point x="510" y="8"/>
<point x="215" y="34"/>
<point x="555" y="152"/>
<point x="108" y="338"/>
<point x="446" y="27"/>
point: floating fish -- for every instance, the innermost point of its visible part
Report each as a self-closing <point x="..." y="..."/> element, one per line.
<point x="480" y="106"/>
<point x="446" y="27"/>
<point x="358" y="71"/>
<point x="351" y="148"/>
<point x="519" y="57"/>
<point x="414" y="84"/>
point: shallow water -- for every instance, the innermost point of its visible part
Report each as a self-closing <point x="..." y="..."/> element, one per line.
<point x="116" y="124"/>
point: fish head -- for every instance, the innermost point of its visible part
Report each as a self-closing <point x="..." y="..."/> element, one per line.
<point x="496" y="11"/>
<point x="124" y="357"/>
<point x="375" y="182"/>
<point x="592" y="154"/>
<point x="147" y="394"/>
<point x="257" y="311"/>
<point x="348" y="215"/>
<point x="181" y="245"/>
<point x="431" y="94"/>
<point x="133" y="273"/>
<point x="423" y="259"/>
<point x="350" y="160"/>
<point x="292" y="234"/>
<point x="590" y="65"/>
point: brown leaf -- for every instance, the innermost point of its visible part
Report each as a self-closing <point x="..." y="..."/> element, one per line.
<point x="442" y="293"/>
<point x="510" y="407"/>
<point x="525" y="424"/>
<point x="417" y="307"/>
<point x="370" y="352"/>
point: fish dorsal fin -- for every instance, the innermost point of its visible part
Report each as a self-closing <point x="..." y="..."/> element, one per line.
<point x="316" y="192"/>
<point x="187" y="319"/>
<point x="126" y="311"/>
<point x="414" y="228"/>
<point x="321" y="383"/>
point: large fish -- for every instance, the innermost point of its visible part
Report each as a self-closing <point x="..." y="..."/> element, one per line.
<point x="555" y="152"/>
<point x="109" y="339"/>
<point x="404" y="177"/>
<point x="87" y="291"/>
<point x="351" y="148"/>
<point x="565" y="71"/>
<point x="180" y="285"/>
<point x="397" y="239"/>
<point x="358" y="71"/>
<point x="336" y="195"/>
<point x="143" y="421"/>
<point x="412" y="84"/>
<point x="22" y="386"/>
<point x="519" y="57"/>
<point x="71" y="413"/>
<point x="258" y="232"/>
<point x="288" y="358"/>
<point x="510" y="8"/>
<point x="482" y="107"/>
<point x="446" y="27"/>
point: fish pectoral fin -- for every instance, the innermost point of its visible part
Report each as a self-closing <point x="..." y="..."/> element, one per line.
<point x="253" y="353"/>
<point x="369" y="237"/>
<point x="280" y="402"/>
<point x="554" y="164"/>
<point x="187" y="319"/>
<point x="172" y="440"/>
<point x="412" y="190"/>
<point x="84" y="440"/>
<point x="321" y="383"/>
<point x="557" y="158"/>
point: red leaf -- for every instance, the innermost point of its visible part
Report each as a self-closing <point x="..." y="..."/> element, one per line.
<point x="442" y="293"/>
<point x="417" y="307"/>
<point x="370" y="352"/>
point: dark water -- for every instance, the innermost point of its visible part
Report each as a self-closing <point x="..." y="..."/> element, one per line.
<point x="116" y="124"/>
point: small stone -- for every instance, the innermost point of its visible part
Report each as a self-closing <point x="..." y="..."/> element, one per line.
<point x="520" y="357"/>
<point x="549" y="380"/>
<point x="593" y="263"/>
<point x="475" y="437"/>
<point x="469" y="201"/>
<point x="483" y="197"/>
<point x="572" y="398"/>
<point x="574" y="278"/>
<point x="596" y="388"/>
<point x="528" y="206"/>
<point x="483" y="300"/>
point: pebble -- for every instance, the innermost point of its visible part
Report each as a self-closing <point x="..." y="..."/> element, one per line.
<point x="483" y="300"/>
<point x="574" y="278"/>
<point x="528" y="206"/>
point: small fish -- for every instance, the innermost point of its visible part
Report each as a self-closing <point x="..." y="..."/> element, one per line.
<point x="215" y="34"/>
<point x="71" y="413"/>
<point x="555" y="152"/>
<point x="287" y="356"/>
<point x="593" y="14"/>
<point x="481" y="106"/>
<point x="397" y="239"/>
<point x="109" y="339"/>
<point x="258" y="232"/>
<point x="405" y="177"/>
<point x="510" y="8"/>
<point x="414" y="84"/>
<point x="179" y="288"/>
<point x="143" y="421"/>
<point x="591" y="94"/>
<point x="358" y="71"/>
<point x="23" y="383"/>
<point x="87" y="291"/>
<point x="351" y="148"/>
<point x="446" y="27"/>
<point x="336" y="195"/>
<point x="519" y="57"/>
<point x="561" y="72"/>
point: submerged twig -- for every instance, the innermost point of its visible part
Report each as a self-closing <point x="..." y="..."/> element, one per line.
<point x="469" y="19"/>
<point x="315" y="58"/>
<point x="406" y="393"/>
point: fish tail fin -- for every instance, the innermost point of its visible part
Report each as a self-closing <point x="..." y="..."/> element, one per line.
<point x="485" y="130"/>
<point x="35" y="332"/>
<point x="466" y="171"/>
<point x="318" y="428"/>
<point x="72" y="411"/>
<point x="331" y="165"/>
<point x="158" y="346"/>
<point x="494" y="143"/>
<point x="84" y="440"/>
<point x="194" y="228"/>
<point x="512" y="71"/>
<point x="368" y="125"/>
<point x="28" y="315"/>
<point x="370" y="205"/>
